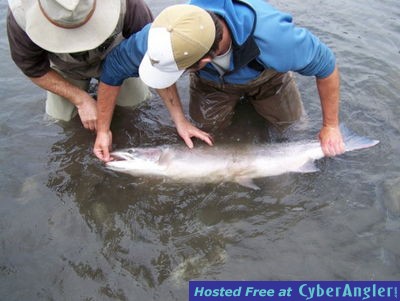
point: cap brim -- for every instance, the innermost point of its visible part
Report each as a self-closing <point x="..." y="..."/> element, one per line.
<point x="92" y="34"/>
<point x="155" y="78"/>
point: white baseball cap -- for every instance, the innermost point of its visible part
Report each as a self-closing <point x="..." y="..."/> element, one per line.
<point x="179" y="37"/>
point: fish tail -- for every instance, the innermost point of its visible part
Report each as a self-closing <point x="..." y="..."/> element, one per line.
<point x="353" y="141"/>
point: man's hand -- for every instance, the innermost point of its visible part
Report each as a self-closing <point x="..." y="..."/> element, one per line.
<point x="102" y="146"/>
<point x="187" y="130"/>
<point x="87" y="111"/>
<point x="331" y="141"/>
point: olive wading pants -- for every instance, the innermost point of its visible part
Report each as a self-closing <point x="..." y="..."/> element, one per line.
<point x="274" y="95"/>
<point x="133" y="92"/>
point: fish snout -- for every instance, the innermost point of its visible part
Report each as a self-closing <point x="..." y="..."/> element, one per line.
<point x="121" y="156"/>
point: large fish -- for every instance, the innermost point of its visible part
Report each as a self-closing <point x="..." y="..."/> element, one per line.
<point x="240" y="164"/>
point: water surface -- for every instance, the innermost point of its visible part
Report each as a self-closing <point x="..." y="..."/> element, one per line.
<point x="72" y="230"/>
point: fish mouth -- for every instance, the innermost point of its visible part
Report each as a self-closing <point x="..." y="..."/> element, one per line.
<point x="116" y="163"/>
<point x="117" y="157"/>
<point x="121" y="156"/>
<point x="151" y="154"/>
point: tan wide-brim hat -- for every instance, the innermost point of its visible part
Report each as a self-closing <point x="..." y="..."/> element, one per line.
<point x="68" y="26"/>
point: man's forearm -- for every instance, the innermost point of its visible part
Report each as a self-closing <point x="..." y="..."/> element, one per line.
<point x="55" y="83"/>
<point x="173" y="103"/>
<point x="185" y="129"/>
<point x="106" y="100"/>
<point x="329" y="93"/>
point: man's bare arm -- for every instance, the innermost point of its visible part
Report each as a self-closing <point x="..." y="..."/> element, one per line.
<point x="185" y="129"/>
<point x="86" y="105"/>
<point x="107" y="98"/>
<point x="330" y="135"/>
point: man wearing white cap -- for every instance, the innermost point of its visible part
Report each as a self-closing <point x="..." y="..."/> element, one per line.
<point x="235" y="49"/>
<point x="61" y="44"/>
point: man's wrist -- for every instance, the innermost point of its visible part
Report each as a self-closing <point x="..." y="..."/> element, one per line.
<point x="332" y="126"/>
<point x="102" y="131"/>
<point x="78" y="97"/>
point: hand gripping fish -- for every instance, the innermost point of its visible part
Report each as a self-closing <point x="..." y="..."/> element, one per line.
<point x="239" y="164"/>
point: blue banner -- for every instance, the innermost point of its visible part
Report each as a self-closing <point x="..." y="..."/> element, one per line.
<point x="294" y="290"/>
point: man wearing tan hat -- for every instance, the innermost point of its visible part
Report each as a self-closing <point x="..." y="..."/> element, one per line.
<point x="61" y="44"/>
<point x="234" y="49"/>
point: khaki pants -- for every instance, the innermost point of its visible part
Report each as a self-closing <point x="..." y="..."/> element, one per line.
<point x="133" y="92"/>
<point x="274" y="95"/>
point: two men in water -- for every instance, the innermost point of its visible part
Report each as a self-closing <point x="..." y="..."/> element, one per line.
<point x="233" y="49"/>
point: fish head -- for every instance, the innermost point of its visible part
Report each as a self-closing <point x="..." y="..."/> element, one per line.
<point x="150" y="154"/>
<point x="137" y="161"/>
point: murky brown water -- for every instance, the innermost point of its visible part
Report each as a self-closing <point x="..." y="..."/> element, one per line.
<point x="71" y="230"/>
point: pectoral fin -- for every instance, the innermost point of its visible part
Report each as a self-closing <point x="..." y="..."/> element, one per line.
<point x="309" y="166"/>
<point x="165" y="157"/>
<point x="247" y="182"/>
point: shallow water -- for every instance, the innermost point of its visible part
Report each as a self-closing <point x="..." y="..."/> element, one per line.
<point x="72" y="230"/>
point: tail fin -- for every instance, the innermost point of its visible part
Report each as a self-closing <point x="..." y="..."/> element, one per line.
<point x="353" y="142"/>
